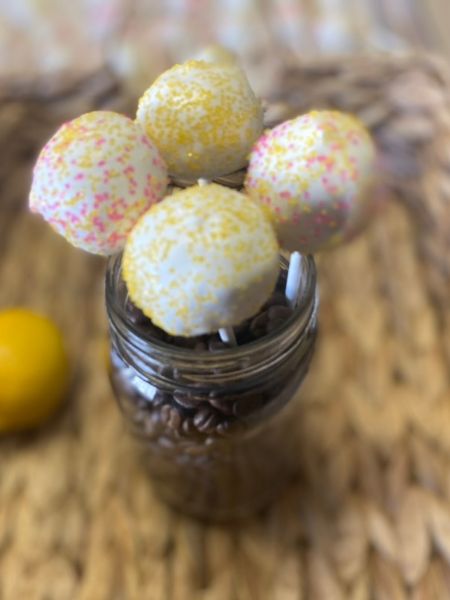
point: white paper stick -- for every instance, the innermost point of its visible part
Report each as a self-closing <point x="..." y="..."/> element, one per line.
<point x="202" y="181"/>
<point x="227" y="336"/>
<point x="293" y="278"/>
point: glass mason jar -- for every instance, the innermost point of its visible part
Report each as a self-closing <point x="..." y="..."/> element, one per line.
<point x="218" y="429"/>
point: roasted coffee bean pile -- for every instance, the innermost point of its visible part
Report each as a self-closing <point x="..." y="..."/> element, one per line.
<point x="179" y="411"/>
<point x="234" y="451"/>
<point x="169" y="416"/>
<point x="272" y="316"/>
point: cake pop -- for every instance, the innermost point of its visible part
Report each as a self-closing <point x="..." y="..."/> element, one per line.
<point x="203" y="259"/>
<point x="95" y="177"/>
<point x="204" y="118"/>
<point x="315" y="175"/>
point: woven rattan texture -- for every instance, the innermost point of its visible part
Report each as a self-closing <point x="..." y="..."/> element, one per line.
<point x="370" y="517"/>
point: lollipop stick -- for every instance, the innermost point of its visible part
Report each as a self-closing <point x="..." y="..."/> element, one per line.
<point x="202" y="181"/>
<point x="227" y="336"/>
<point x="293" y="278"/>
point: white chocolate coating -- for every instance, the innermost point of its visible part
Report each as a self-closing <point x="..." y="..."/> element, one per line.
<point x="94" y="178"/>
<point x="203" y="117"/>
<point x="315" y="176"/>
<point x="202" y="259"/>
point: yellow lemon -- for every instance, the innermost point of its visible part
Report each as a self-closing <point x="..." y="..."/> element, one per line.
<point x="34" y="369"/>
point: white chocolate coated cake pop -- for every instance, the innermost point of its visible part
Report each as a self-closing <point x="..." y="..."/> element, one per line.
<point x="315" y="175"/>
<point x="95" y="177"/>
<point x="203" y="259"/>
<point x="203" y="117"/>
<point x="217" y="54"/>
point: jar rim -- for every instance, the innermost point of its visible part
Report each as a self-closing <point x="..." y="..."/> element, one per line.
<point x="305" y="310"/>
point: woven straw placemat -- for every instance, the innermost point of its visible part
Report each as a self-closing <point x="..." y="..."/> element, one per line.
<point x="370" y="517"/>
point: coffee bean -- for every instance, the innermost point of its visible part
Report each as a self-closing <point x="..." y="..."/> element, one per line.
<point x="165" y="442"/>
<point x="150" y="426"/>
<point x="200" y="346"/>
<point x="205" y="420"/>
<point x="183" y="342"/>
<point x="139" y="416"/>
<point x="274" y="324"/>
<point x="201" y="416"/>
<point x="141" y="402"/>
<point x="278" y="312"/>
<point x="174" y="421"/>
<point x="216" y="345"/>
<point x="259" y="322"/>
<point x="224" y="428"/>
<point x="164" y="413"/>
<point x="277" y="299"/>
<point x="136" y="316"/>
<point x="182" y="400"/>
<point x="242" y="327"/>
<point x="187" y="426"/>
<point x="187" y="400"/>
<point x="223" y="405"/>
<point x="209" y="426"/>
<point x="159" y="399"/>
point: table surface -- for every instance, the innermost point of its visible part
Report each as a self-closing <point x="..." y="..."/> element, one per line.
<point x="370" y="517"/>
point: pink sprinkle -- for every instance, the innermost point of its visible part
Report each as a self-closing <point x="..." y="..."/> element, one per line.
<point x="100" y="198"/>
<point x="115" y="216"/>
<point x="98" y="223"/>
<point x="114" y="238"/>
